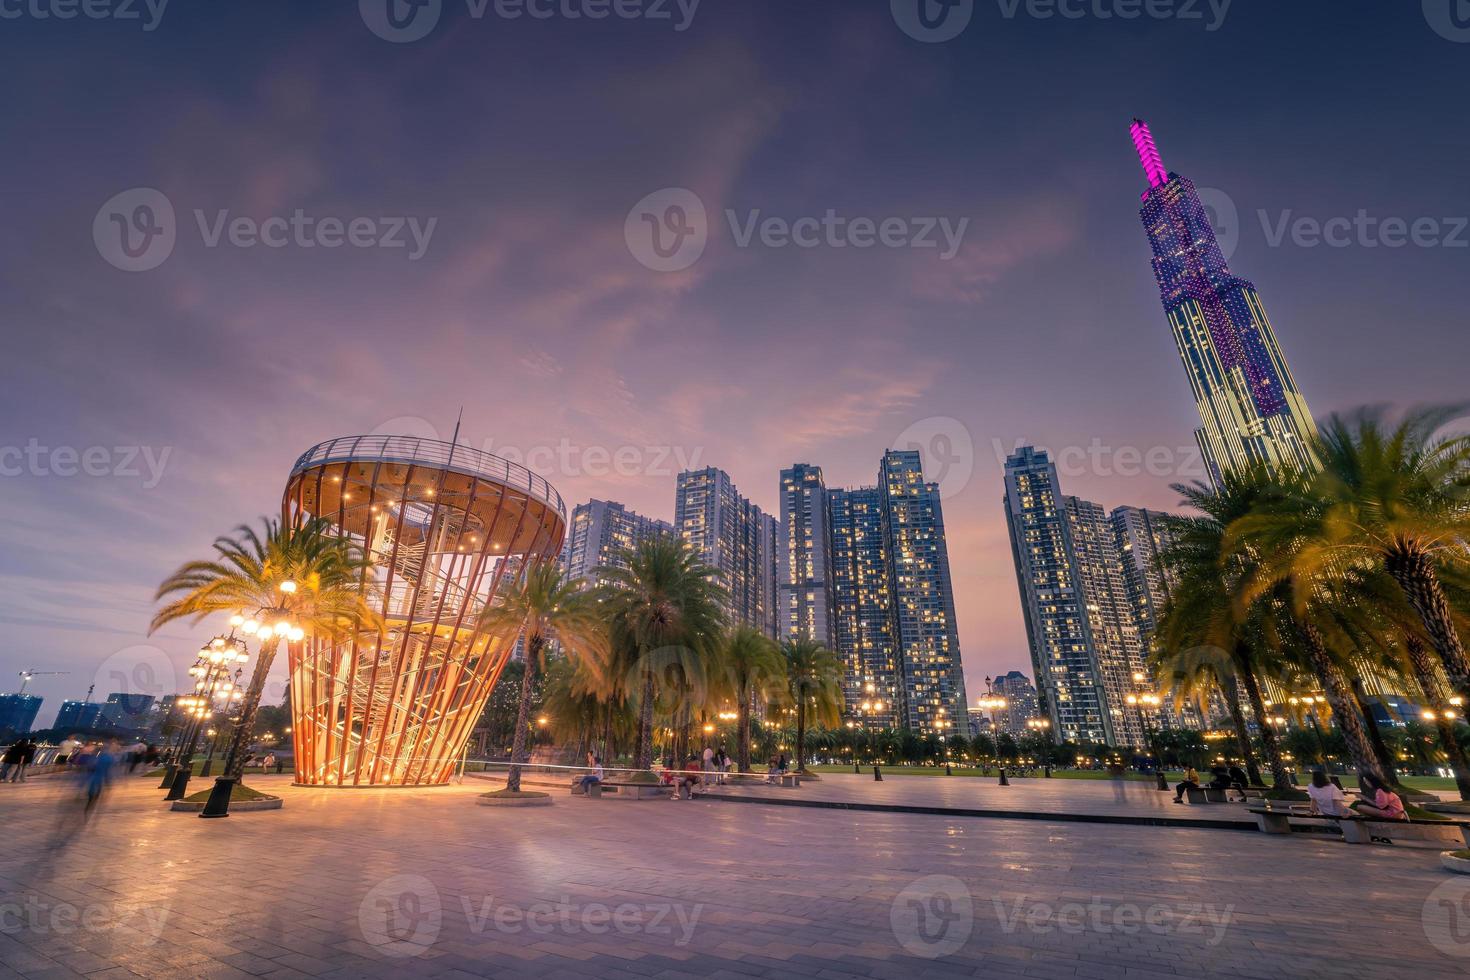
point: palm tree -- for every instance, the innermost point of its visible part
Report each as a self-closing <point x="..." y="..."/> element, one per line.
<point x="1192" y="675"/>
<point x="753" y="671"/>
<point x="307" y="575"/>
<point x="664" y="607"/>
<point x="813" y="683"/>
<point x="541" y="606"/>
<point x="1201" y="612"/>
<point x="1393" y="497"/>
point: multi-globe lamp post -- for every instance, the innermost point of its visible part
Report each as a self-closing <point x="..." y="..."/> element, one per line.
<point x="269" y="625"/>
<point x="1147" y="702"/>
<point x="213" y="684"/>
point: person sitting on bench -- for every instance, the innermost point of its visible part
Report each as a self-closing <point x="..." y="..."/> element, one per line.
<point x="1191" y="781"/>
<point x="688" y="778"/>
<point x="1239" y="780"/>
<point x="594" y="777"/>
<point x="1327" y="799"/>
<point x="1378" y="800"/>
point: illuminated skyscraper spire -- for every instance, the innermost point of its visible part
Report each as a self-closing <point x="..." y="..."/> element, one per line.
<point x="1148" y="154"/>
<point x="1249" y="404"/>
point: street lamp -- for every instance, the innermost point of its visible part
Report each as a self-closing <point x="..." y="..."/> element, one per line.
<point x="211" y="671"/>
<point x="270" y="626"/>
<point x="1146" y="702"/>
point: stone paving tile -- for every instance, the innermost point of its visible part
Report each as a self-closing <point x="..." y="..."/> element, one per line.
<point x="377" y="884"/>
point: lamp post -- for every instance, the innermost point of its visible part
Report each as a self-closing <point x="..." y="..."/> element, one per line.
<point x="1145" y="702"/>
<point x="212" y="672"/>
<point x="270" y="626"/>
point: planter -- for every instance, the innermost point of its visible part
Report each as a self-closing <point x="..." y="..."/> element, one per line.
<point x="1456" y="861"/>
<point x="524" y="799"/>
<point x="239" y="806"/>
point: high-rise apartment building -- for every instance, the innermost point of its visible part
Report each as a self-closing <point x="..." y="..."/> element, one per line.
<point x="805" y="608"/>
<point x="18" y="713"/>
<point x="733" y="536"/>
<point x="1249" y="404"/>
<point x="1085" y="643"/>
<point x="892" y="605"/>
<point x="79" y="715"/>
<point x="600" y="531"/>
<point x="1021" y="703"/>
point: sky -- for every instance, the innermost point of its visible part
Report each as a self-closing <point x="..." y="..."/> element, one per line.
<point x="340" y="222"/>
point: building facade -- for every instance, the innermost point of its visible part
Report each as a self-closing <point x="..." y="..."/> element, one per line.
<point x="892" y="605"/>
<point x="1250" y="407"/>
<point x="79" y="715"/>
<point x="1085" y="644"/>
<point x="733" y="536"/>
<point x="600" y="531"/>
<point x="1021" y="703"/>
<point x="18" y="714"/>
<point x="805" y="607"/>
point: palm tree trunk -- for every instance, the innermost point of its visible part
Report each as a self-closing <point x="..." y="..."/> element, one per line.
<point x="249" y="707"/>
<point x="1428" y="680"/>
<point x="1344" y="705"/>
<point x="1242" y="733"/>
<point x="1414" y="572"/>
<point x="801" y="735"/>
<point x="523" y="715"/>
<point x="643" y="753"/>
<point x="1270" y="747"/>
<point x="1375" y="737"/>
<point x="742" y="751"/>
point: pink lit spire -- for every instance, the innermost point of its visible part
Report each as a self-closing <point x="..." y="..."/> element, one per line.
<point x="1148" y="154"/>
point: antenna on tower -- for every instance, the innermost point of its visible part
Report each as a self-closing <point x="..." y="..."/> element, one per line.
<point x="1148" y="154"/>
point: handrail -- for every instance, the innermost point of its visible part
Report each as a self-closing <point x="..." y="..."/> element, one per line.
<point x="433" y="452"/>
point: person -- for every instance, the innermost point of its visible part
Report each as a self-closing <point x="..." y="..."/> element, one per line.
<point x="134" y="755"/>
<point x="268" y="761"/>
<point x="690" y="778"/>
<point x="27" y="756"/>
<point x="67" y="749"/>
<point x="773" y="770"/>
<point x="151" y="756"/>
<point x="708" y="758"/>
<point x="11" y="759"/>
<point x="1327" y="799"/>
<point x="722" y="762"/>
<point x="781" y="763"/>
<point x="280" y="764"/>
<point x="1239" y="780"/>
<point x="1191" y="781"/>
<point x="592" y="778"/>
<point x="1378" y="800"/>
<point x="99" y="774"/>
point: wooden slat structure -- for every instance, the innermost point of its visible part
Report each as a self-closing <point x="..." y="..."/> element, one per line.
<point x="446" y="526"/>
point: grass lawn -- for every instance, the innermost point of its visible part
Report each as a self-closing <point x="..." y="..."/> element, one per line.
<point x="1434" y="784"/>
<point x="240" y="794"/>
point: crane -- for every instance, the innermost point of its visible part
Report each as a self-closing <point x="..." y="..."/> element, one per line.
<point x="26" y="675"/>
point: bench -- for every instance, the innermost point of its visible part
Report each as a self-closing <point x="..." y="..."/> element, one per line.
<point x="1276" y="819"/>
<point x="1206" y="794"/>
<point x="632" y="791"/>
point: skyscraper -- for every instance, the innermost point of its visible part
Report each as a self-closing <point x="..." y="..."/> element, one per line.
<point x="733" y="536"/>
<point x="18" y="713"/>
<point x="79" y="715"/>
<point x="1085" y="644"/>
<point x="805" y="588"/>
<point x="1022" y="704"/>
<point x="1142" y="537"/>
<point x="893" y="602"/>
<point x="1249" y="404"/>
<point x="600" y="531"/>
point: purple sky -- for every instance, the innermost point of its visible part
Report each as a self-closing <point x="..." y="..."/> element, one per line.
<point x="527" y="142"/>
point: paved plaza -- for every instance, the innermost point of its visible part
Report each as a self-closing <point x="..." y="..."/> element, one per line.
<point x="424" y="883"/>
